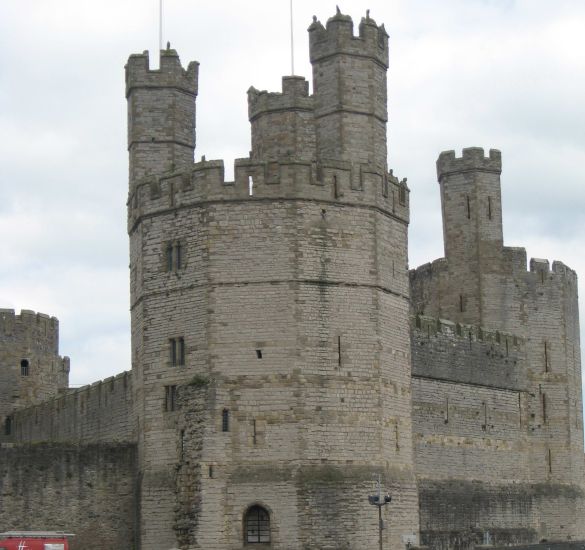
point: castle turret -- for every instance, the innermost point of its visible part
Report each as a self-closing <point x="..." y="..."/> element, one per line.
<point x="349" y="85"/>
<point x="161" y="114"/>
<point x="472" y="223"/>
<point x="282" y="123"/>
<point x="31" y="370"/>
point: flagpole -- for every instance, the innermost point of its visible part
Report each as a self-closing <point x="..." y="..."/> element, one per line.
<point x="292" y="43"/>
<point x="160" y="24"/>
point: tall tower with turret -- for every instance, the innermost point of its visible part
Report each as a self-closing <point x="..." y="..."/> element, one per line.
<point x="270" y="314"/>
<point x="482" y="283"/>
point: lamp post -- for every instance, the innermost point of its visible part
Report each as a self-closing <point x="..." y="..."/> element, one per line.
<point x="379" y="501"/>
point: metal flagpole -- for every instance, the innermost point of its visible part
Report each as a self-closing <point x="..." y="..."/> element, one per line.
<point x="292" y="42"/>
<point x="160" y="24"/>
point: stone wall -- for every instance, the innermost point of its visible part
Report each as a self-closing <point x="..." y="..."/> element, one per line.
<point x="102" y="412"/>
<point x="463" y="353"/>
<point x="89" y="491"/>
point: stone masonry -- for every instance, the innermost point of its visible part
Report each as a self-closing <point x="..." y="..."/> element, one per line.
<point x="282" y="354"/>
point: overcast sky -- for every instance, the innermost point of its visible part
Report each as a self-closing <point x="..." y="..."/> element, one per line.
<point x="507" y="74"/>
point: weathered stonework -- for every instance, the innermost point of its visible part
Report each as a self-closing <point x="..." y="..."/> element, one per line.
<point x="283" y="356"/>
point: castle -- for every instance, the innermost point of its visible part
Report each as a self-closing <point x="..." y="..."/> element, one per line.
<point x="283" y="356"/>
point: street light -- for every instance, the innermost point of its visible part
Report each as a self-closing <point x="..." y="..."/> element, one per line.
<point x="379" y="501"/>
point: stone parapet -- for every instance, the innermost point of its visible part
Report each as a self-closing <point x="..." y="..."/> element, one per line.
<point x="473" y="159"/>
<point x="339" y="182"/>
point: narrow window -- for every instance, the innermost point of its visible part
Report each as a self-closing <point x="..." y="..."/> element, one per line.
<point x="335" y="187"/>
<point x="339" y="351"/>
<point x="257" y="525"/>
<point x="225" y="421"/>
<point x="549" y="461"/>
<point x="446" y="418"/>
<point x="211" y="471"/>
<point x="181" y="352"/>
<point x="544" y="417"/>
<point x="8" y="425"/>
<point x="489" y="208"/>
<point x="545" y="357"/>
<point x="485" y="417"/>
<point x="250" y="186"/>
<point x="169" y="257"/>
<point x="259" y="353"/>
<point x="24" y="367"/>
<point x="462" y="303"/>
<point x="254" y="431"/>
<point x="170" y="398"/>
<point x="397" y="436"/>
<point x="173" y="352"/>
<point x="468" y="208"/>
<point x="178" y="256"/>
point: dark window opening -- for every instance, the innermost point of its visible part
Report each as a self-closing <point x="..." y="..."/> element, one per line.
<point x="24" y="367"/>
<point x="257" y="525"/>
<point x="339" y="351"/>
<point x="461" y="302"/>
<point x="211" y="471"/>
<point x="181" y="352"/>
<point x="177" y="351"/>
<point x="489" y="208"/>
<point x="174" y="256"/>
<point x="468" y="208"/>
<point x="254" y="433"/>
<point x="173" y="351"/>
<point x="225" y="421"/>
<point x="170" y="398"/>
<point x="178" y="256"/>
<point x="549" y="461"/>
<point x="169" y="257"/>
<point x="259" y="353"/>
<point x="545" y="357"/>
<point x="8" y="425"/>
<point x="544" y="417"/>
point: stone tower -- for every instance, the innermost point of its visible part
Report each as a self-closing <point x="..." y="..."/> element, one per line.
<point x="270" y="334"/>
<point x="483" y="283"/>
<point x="161" y="114"/>
<point x="31" y="370"/>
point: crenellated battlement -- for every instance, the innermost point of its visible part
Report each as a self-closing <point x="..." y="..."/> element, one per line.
<point x="170" y="74"/>
<point x="429" y="269"/>
<point x="472" y="159"/>
<point x="294" y="97"/>
<point x="333" y="181"/>
<point x="338" y="38"/>
<point x="431" y="326"/>
<point x="542" y="268"/>
<point x="37" y="325"/>
<point x="94" y="413"/>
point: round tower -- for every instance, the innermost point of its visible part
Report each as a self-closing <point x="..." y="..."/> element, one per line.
<point x="270" y="339"/>
<point x="31" y="370"/>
